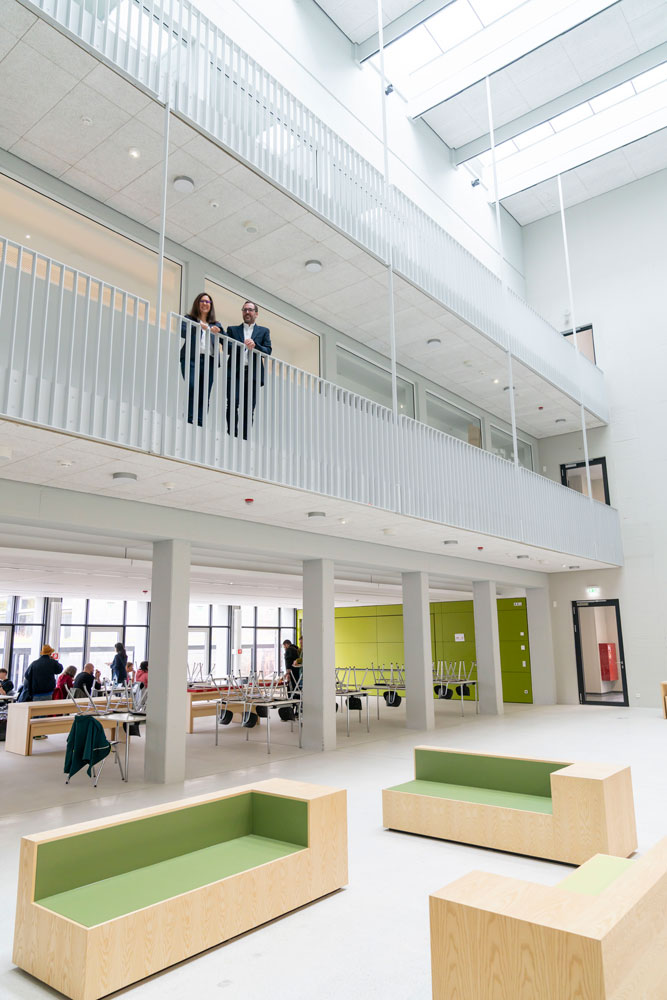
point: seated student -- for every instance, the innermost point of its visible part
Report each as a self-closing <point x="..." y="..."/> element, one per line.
<point x="83" y="682"/>
<point x="6" y="686"/>
<point x="64" y="683"/>
<point x="141" y="676"/>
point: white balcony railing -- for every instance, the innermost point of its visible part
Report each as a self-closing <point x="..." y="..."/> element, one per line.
<point x="78" y="355"/>
<point x="227" y="94"/>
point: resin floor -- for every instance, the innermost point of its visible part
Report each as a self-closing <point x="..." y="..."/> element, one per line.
<point x="371" y="939"/>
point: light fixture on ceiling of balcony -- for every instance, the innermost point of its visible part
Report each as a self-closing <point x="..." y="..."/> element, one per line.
<point x="316" y="513"/>
<point x="342" y="520"/>
<point x="523" y="557"/>
<point x="134" y="153"/>
<point x="560" y="420"/>
<point x="496" y="381"/>
<point x="250" y="227"/>
<point x="183" y="184"/>
<point x="450" y="541"/>
<point x="65" y="463"/>
<point x="86" y="120"/>
<point x="131" y="476"/>
<point x="468" y="364"/>
<point x="169" y="486"/>
<point x="27" y="236"/>
<point x="573" y="567"/>
<point x="213" y="203"/>
<point x="389" y="531"/>
<point x="313" y="266"/>
<point x="433" y="342"/>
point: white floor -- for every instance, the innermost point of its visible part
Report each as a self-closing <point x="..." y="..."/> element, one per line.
<point x="371" y="939"/>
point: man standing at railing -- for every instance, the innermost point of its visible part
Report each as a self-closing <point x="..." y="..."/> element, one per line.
<point x="255" y="339"/>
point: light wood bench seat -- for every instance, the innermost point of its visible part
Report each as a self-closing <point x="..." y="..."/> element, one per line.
<point x="548" y="809"/>
<point x="209" y="868"/>
<point x="63" y="724"/>
<point x="26" y="719"/>
<point x="600" y="934"/>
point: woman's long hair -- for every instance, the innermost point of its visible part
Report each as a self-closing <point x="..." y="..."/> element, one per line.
<point x="194" y="311"/>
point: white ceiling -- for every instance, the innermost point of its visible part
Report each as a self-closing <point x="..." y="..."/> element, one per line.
<point x="52" y="459"/>
<point x="622" y="166"/>
<point x="79" y="128"/>
<point x="600" y="44"/>
<point x="358" y="19"/>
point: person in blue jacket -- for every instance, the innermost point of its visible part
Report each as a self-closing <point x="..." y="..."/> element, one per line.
<point x="119" y="665"/>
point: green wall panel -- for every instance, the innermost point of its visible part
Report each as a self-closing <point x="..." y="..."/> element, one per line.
<point x="390" y="652"/>
<point x="517" y="687"/>
<point x="515" y="656"/>
<point x="356" y="654"/>
<point x="390" y="628"/>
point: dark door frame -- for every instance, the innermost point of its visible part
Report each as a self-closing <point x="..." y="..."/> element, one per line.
<point x="582" y="465"/>
<point x="611" y="603"/>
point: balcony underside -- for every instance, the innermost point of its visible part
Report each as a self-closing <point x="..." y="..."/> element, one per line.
<point x="56" y="85"/>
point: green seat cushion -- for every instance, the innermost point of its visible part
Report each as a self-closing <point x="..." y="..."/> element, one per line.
<point x="471" y="793"/>
<point x="112" y="897"/>
<point x="596" y="875"/>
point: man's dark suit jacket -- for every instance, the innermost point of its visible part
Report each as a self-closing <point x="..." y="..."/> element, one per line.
<point x="262" y="339"/>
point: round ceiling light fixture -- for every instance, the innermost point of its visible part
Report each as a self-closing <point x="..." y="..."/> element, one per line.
<point x="316" y="513"/>
<point x="450" y="541"/>
<point x="183" y="184"/>
<point x="250" y="227"/>
<point x="433" y="342"/>
<point x="213" y="203"/>
<point x="313" y="266"/>
<point x="131" y="476"/>
<point x="134" y="153"/>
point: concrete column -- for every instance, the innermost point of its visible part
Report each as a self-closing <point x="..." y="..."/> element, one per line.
<point x="542" y="664"/>
<point x="489" y="677"/>
<point x="319" y="662"/>
<point x="170" y="603"/>
<point x="420" y="712"/>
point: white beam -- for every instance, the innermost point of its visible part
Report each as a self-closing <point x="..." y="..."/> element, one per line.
<point x="399" y="26"/>
<point x="565" y="102"/>
<point x="501" y="43"/>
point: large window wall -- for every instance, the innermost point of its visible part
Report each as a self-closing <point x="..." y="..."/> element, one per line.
<point x="22" y="630"/>
<point x="89" y="630"/>
<point x="213" y="629"/>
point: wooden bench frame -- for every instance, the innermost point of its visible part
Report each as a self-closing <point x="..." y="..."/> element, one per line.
<point x="593" y="813"/>
<point x="499" y="938"/>
<point x="663" y="698"/>
<point x="86" y="963"/>
<point x="22" y="723"/>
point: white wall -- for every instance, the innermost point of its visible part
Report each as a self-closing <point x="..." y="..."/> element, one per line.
<point x="618" y="249"/>
<point x="296" y="42"/>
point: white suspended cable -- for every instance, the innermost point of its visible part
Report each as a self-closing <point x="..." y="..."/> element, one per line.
<point x="165" y="173"/>
<point x="503" y="281"/>
<point x="578" y="362"/>
<point x="388" y="221"/>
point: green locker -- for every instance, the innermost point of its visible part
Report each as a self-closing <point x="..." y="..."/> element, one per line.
<point x="517" y="687"/>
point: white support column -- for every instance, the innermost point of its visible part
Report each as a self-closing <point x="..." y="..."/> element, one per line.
<point x="170" y="603"/>
<point x="319" y="661"/>
<point x="489" y="677"/>
<point x="542" y="664"/>
<point x="419" y="711"/>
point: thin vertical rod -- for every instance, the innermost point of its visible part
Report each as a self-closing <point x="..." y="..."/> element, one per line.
<point x="165" y="180"/>
<point x="570" y="292"/>
<point x="387" y="215"/>
<point x="503" y="281"/>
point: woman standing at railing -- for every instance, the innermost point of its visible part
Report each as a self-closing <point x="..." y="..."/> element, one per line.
<point x="203" y="344"/>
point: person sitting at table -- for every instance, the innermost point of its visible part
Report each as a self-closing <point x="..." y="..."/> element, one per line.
<point x="6" y="686"/>
<point x="64" y="683"/>
<point x="84" y="682"/>
<point x="141" y="676"/>
<point x="119" y="665"/>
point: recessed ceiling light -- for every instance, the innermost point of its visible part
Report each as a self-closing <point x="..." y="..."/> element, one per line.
<point x="65" y="463"/>
<point x="450" y="541"/>
<point x="316" y="513"/>
<point x="523" y="557"/>
<point x="389" y="531"/>
<point x="213" y="203"/>
<point x="250" y="227"/>
<point x="86" y="120"/>
<point x="342" y="520"/>
<point x="27" y="236"/>
<point x="134" y="153"/>
<point x="496" y="381"/>
<point x="183" y="184"/>
<point x="467" y="363"/>
<point x="169" y="486"/>
<point x="560" y="420"/>
<point x="313" y="266"/>
<point x="125" y="475"/>
<point x="433" y="342"/>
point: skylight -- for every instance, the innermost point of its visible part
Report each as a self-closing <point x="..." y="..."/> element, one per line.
<point x="468" y="39"/>
<point x="608" y="121"/>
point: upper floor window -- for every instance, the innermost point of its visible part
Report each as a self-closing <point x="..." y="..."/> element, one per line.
<point x="448" y="418"/>
<point x="501" y="444"/>
<point x="585" y="341"/>
<point x="369" y="380"/>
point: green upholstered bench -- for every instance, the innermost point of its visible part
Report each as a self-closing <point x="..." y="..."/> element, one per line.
<point x="195" y="872"/>
<point x="552" y="809"/>
<point x="600" y="934"/>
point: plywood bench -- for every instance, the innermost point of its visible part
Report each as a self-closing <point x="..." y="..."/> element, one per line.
<point x="600" y="934"/>
<point x="663" y="699"/>
<point x="201" y="871"/>
<point x="547" y="809"/>
<point x="26" y="719"/>
<point x="201" y="703"/>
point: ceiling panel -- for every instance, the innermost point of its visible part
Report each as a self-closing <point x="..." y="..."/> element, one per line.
<point x="358" y="19"/>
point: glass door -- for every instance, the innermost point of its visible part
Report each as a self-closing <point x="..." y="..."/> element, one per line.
<point x="100" y="643"/>
<point x="599" y="650"/>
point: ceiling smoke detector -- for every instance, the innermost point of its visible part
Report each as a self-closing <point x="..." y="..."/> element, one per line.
<point x="250" y="227"/>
